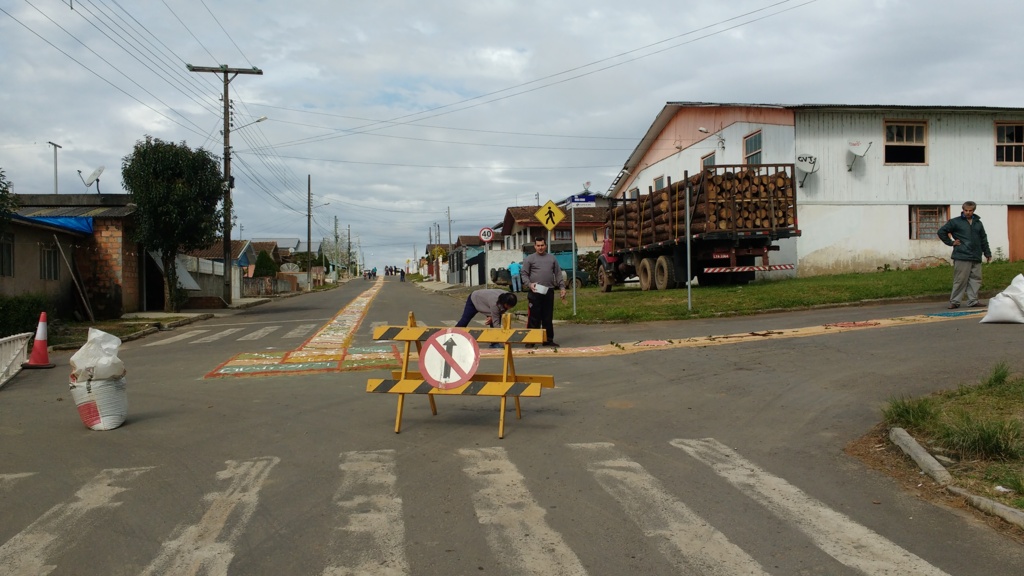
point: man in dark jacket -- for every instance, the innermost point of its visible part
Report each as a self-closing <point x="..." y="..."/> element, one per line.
<point x="967" y="236"/>
<point x="541" y="274"/>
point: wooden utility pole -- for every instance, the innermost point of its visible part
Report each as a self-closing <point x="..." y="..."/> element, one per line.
<point x="229" y="75"/>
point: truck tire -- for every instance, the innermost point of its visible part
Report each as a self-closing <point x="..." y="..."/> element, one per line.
<point x="646" y="274"/>
<point x="664" y="273"/>
<point x="604" y="279"/>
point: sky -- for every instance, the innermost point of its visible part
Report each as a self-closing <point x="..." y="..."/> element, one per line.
<point x="403" y="119"/>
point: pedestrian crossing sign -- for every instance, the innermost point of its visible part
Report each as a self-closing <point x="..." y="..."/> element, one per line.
<point x="549" y="215"/>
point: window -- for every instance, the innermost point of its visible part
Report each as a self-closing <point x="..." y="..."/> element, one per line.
<point x="659" y="182"/>
<point x="707" y="161"/>
<point x="49" y="264"/>
<point x="925" y="221"/>
<point x="6" y="254"/>
<point x="563" y="234"/>
<point x="752" y="148"/>
<point x="905" y="142"/>
<point x="1009" y="143"/>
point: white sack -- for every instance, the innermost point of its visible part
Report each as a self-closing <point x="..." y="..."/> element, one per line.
<point x="1008" y="305"/>
<point x="102" y="404"/>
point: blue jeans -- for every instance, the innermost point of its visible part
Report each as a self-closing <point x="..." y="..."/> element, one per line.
<point x="517" y="283"/>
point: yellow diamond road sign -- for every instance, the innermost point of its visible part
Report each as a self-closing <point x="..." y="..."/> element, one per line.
<point x="549" y="215"/>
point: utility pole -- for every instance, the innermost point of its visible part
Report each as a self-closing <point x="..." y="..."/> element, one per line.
<point x="309" y="232"/>
<point x="449" y="212"/>
<point x="55" y="146"/>
<point x="229" y="75"/>
<point x="337" y="251"/>
<point x="348" y="250"/>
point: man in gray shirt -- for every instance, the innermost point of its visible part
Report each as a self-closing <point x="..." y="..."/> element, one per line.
<point x="541" y="273"/>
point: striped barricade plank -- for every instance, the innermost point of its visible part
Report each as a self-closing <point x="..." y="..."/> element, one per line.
<point x="485" y="335"/>
<point x="545" y="380"/>
<point x="474" y="387"/>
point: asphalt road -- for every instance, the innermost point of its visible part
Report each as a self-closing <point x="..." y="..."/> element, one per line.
<point x="683" y="455"/>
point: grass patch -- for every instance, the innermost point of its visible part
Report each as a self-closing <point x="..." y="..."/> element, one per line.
<point x="979" y="426"/>
<point x="59" y="333"/>
<point x="630" y="304"/>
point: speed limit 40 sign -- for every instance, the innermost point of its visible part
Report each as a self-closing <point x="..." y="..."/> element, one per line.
<point x="486" y="234"/>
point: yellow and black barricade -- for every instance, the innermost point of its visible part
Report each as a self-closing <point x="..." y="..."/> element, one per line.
<point x="508" y="383"/>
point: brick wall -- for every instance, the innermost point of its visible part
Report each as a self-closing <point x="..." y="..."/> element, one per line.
<point x="110" y="270"/>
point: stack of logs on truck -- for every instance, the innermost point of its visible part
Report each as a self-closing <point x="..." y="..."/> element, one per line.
<point x="736" y="213"/>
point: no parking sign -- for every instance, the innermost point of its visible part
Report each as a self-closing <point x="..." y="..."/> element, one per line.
<point x="449" y="358"/>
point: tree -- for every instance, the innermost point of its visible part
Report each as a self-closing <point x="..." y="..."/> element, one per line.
<point x="8" y="203"/>
<point x="265" y="265"/>
<point x="176" y="191"/>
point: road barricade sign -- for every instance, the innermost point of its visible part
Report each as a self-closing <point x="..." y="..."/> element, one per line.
<point x="448" y="362"/>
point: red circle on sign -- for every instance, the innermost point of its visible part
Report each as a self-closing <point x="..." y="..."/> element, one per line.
<point x="449" y="358"/>
<point x="486" y="234"/>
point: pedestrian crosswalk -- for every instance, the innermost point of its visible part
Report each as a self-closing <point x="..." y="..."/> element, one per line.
<point x="241" y="334"/>
<point x="365" y="530"/>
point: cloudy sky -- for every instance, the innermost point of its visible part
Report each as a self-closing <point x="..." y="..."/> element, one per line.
<point x="404" y="115"/>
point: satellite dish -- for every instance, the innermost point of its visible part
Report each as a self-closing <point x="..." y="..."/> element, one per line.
<point x="290" y="267"/>
<point x="94" y="177"/>
<point x="858" y="149"/>
<point x="808" y="164"/>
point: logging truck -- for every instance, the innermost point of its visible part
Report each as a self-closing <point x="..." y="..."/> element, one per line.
<point x="736" y="213"/>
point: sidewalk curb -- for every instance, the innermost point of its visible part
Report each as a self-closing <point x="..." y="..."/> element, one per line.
<point x="938" y="472"/>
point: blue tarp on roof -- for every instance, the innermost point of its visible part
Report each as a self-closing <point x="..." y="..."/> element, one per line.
<point x="72" y="223"/>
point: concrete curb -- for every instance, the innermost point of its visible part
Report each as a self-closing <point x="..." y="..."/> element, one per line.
<point x="1011" y="515"/>
<point x="926" y="461"/>
<point x="938" y="472"/>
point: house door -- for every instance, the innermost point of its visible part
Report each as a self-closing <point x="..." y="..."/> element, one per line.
<point x="1015" y="227"/>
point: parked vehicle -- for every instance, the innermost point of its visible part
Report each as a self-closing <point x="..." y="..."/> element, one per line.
<point x="736" y="213"/>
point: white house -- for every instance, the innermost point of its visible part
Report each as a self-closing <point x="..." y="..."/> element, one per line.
<point x="876" y="181"/>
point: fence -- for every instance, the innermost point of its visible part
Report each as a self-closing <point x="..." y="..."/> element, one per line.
<point x="257" y="287"/>
<point x="13" y="353"/>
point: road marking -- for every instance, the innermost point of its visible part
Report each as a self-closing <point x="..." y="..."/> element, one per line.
<point x="259" y="333"/>
<point x="207" y="547"/>
<point x="299" y="331"/>
<point x="8" y="480"/>
<point x="26" y="554"/>
<point x="371" y="509"/>
<point x="516" y="530"/>
<point x="682" y="536"/>
<point x="217" y="336"/>
<point x="840" y="537"/>
<point x="179" y="337"/>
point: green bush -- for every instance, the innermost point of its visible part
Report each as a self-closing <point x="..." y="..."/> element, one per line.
<point x="20" y="314"/>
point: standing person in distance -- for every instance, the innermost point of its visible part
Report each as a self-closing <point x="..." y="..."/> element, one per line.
<point x="966" y="234"/>
<point x="514" y="269"/>
<point x="541" y="273"/>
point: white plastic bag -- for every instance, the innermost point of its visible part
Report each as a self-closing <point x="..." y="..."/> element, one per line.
<point x="97" y="359"/>
<point x="98" y="384"/>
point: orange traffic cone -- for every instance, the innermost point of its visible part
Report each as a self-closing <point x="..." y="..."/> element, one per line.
<point x="40" y="358"/>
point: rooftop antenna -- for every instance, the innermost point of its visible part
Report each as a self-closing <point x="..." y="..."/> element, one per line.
<point x="858" y="149"/>
<point x="94" y="177"/>
<point x="807" y="164"/>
